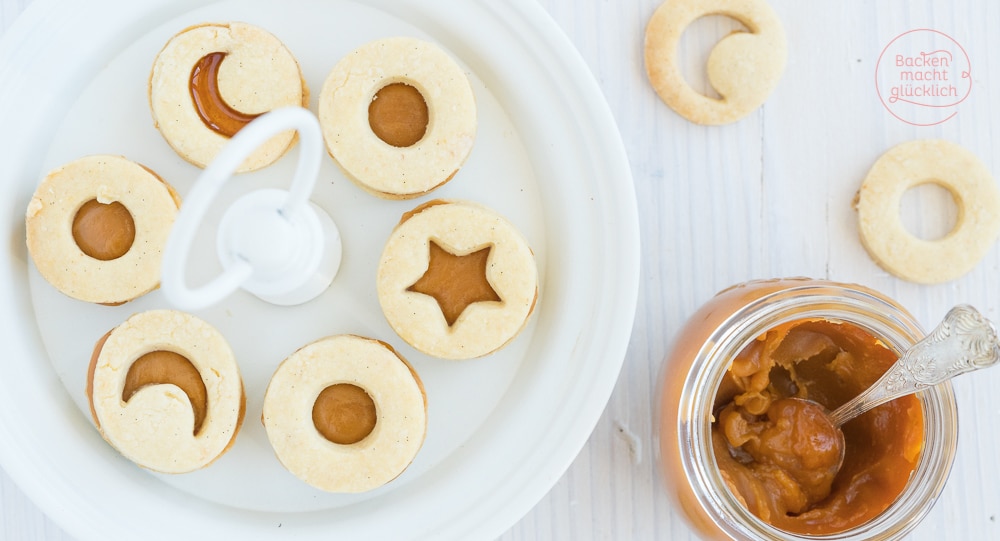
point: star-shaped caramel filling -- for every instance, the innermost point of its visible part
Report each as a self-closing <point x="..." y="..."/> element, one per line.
<point x="456" y="281"/>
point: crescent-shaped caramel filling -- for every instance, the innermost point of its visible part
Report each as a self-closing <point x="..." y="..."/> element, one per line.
<point x="456" y="281"/>
<point x="398" y="115"/>
<point x="103" y="231"/>
<point x="158" y="367"/>
<point x="344" y="413"/>
<point x="208" y="102"/>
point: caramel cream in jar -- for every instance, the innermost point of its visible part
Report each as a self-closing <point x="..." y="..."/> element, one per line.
<point x="729" y="366"/>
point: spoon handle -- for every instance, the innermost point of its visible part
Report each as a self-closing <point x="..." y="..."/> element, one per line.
<point x="964" y="341"/>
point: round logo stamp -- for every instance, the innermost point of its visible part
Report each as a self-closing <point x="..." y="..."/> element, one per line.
<point x="922" y="76"/>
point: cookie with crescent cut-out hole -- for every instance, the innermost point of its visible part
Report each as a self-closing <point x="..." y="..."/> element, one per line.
<point x="744" y="67"/>
<point x="165" y="391"/>
<point x="210" y="80"/>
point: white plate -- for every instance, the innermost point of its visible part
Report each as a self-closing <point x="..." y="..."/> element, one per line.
<point x="502" y="429"/>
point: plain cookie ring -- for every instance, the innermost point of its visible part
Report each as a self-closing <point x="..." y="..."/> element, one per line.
<point x="456" y="280"/>
<point x="210" y="80"/>
<point x="165" y="391"/>
<point x="398" y="117"/>
<point x="744" y="68"/>
<point x="96" y="228"/>
<point x="345" y="414"/>
<point x="953" y="168"/>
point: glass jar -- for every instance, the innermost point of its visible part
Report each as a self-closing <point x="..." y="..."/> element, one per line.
<point x="693" y="371"/>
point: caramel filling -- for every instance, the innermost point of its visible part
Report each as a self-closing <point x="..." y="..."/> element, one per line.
<point x="208" y="102"/>
<point x="780" y="458"/>
<point x="344" y="413"/>
<point x="398" y="115"/>
<point x="793" y="444"/>
<point x="104" y="231"/>
<point x="91" y="370"/>
<point x="420" y="208"/>
<point x="456" y="281"/>
<point x="159" y="367"/>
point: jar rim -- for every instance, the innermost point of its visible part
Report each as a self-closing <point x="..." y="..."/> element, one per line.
<point x="881" y="317"/>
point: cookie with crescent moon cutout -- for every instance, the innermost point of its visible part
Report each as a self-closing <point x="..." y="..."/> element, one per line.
<point x="210" y="80"/>
<point x="165" y="391"/>
<point x="743" y="67"/>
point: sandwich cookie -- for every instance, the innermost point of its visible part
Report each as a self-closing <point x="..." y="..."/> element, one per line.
<point x="210" y="80"/>
<point x="96" y="228"/>
<point x="166" y="392"/>
<point x="345" y="414"/>
<point x="456" y="280"/>
<point x="398" y="117"/>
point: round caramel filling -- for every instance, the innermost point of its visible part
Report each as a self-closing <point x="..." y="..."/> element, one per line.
<point x="158" y="367"/>
<point x="398" y="115"/>
<point x="344" y="413"/>
<point x="104" y="231"/>
<point x="456" y="281"/>
<point x="218" y="115"/>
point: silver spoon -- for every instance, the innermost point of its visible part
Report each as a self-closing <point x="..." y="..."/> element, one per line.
<point x="964" y="341"/>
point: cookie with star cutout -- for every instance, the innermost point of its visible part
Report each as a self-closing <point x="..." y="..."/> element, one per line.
<point x="456" y="280"/>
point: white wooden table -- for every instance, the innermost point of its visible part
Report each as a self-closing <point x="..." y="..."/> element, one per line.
<point x="768" y="196"/>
